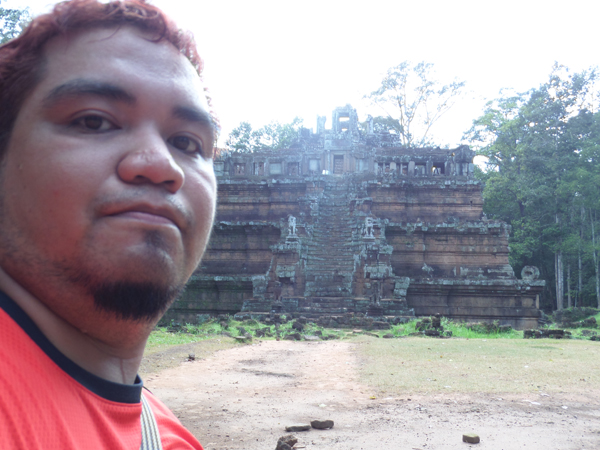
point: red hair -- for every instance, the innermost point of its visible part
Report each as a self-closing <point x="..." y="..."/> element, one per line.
<point x="22" y="59"/>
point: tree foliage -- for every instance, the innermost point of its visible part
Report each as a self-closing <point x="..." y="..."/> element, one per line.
<point x="543" y="178"/>
<point x="410" y="96"/>
<point x="383" y="124"/>
<point x="12" y="22"/>
<point x="274" y="136"/>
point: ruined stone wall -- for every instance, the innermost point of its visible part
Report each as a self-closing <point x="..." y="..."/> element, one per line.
<point x="450" y="250"/>
<point x="259" y="200"/>
<point x="349" y="223"/>
<point x="240" y="248"/>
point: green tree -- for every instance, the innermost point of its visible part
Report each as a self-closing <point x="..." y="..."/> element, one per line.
<point x="12" y="22"/>
<point x="382" y="124"/>
<point x="273" y="136"/>
<point x="542" y="159"/>
<point x="410" y="96"/>
<point x="242" y="139"/>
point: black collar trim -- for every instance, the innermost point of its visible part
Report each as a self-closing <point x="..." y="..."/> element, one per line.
<point x="116" y="392"/>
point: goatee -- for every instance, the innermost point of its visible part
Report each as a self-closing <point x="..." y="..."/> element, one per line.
<point x="138" y="301"/>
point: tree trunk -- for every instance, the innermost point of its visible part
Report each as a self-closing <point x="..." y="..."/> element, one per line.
<point x="580" y="281"/>
<point x="595" y="256"/>
<point x="559" y="275"/>
<point x="558" y="268"/>
<point x="569" y="300"/>
<point x="579" y="263"/>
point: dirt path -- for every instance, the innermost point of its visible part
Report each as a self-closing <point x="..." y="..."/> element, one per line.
<point x="244" y="397"/>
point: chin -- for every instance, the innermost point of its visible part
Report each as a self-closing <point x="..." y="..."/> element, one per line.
<point x="135" y="301"/>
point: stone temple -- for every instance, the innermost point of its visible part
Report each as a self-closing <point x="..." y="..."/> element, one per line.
<point x="348" y="222"/>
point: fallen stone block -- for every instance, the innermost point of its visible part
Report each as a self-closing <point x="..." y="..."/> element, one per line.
<point x="366" y="333"/>
<point x="259" y="333"/>
<point x="297" y="427"/>
<point x="286" y="442"/>
<point x="471" y="438"/>
<point x="292" y="337"/>
<point x="379" y="325"/>
<point x="556" y="334"/>
<point x="311" y="338"/>
<point x="282" y="446"/>
<point x="298" y="326"/>
<point x="321" y="424"/>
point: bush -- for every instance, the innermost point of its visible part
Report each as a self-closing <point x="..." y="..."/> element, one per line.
<point x="570" y="316"/>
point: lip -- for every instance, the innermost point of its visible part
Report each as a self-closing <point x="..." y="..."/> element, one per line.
<point x="151" y="214"/>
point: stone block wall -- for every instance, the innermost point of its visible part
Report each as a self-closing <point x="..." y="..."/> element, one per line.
<point x="347" y="222"/>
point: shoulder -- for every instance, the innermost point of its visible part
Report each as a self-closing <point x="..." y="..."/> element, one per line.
<point x="172" y="433"/>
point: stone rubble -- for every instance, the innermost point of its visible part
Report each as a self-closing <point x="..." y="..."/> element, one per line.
<point x="321" y="424"/>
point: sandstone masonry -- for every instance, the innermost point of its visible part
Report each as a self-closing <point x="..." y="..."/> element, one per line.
<point x="347" y="222"/>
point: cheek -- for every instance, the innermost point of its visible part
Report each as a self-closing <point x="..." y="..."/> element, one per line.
<point x="202" y="197"/>
<point x="48" y="186"/>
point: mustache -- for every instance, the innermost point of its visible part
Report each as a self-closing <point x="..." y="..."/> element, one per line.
<point x="145" y="200"/>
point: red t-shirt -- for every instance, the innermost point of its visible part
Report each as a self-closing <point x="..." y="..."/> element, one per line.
<point x="49" y="402"/>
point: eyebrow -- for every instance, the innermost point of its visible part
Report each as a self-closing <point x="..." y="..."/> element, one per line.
<point x="77" y="88"/>
<point x="80" y="87"/>
<point x="194" y="115"/>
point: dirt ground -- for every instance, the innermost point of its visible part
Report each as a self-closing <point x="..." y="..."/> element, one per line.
<point x="243" y="397"/>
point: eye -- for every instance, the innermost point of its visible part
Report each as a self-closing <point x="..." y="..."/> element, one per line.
<point x="186" y="144"/>
<point x="94" y="122"/>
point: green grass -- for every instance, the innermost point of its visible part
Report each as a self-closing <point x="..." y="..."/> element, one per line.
<point x="579" y="332"/>
<point x="422" y="365"/>
<point x="164" y="337"/>
<point x="161" y="339"/>
<point x="471" y="361"/>
<point x="187" y="333"/>
<point x="458" y="330"/>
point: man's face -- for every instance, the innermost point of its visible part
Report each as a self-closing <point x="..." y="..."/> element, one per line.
<point x="108" y="176"/>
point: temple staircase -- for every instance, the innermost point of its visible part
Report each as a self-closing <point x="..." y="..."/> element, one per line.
<point x="330" y="254"/>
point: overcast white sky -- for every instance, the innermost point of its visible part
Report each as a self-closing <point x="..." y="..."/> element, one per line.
<point x="275" y="59"/>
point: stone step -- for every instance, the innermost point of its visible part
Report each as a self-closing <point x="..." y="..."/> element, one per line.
<point x="330" y="232"/>
<point x="326" y="276"/>
<point x="320" y="254"/>
<point x="327" y="251"/>
<point x="327" y="293"/>
<point x="325" y="282"/>
<point x="336" y="287"/>
<point x="334" y="224"/>
<point x="326" y="273"/>
<point x="320" y="264"/>
<point x="334" y="257"/>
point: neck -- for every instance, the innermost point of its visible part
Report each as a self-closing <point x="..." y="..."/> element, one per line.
<point x="112" y="349"/>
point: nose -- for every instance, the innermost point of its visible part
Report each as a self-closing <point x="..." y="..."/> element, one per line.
<point x="150" y="161"/>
